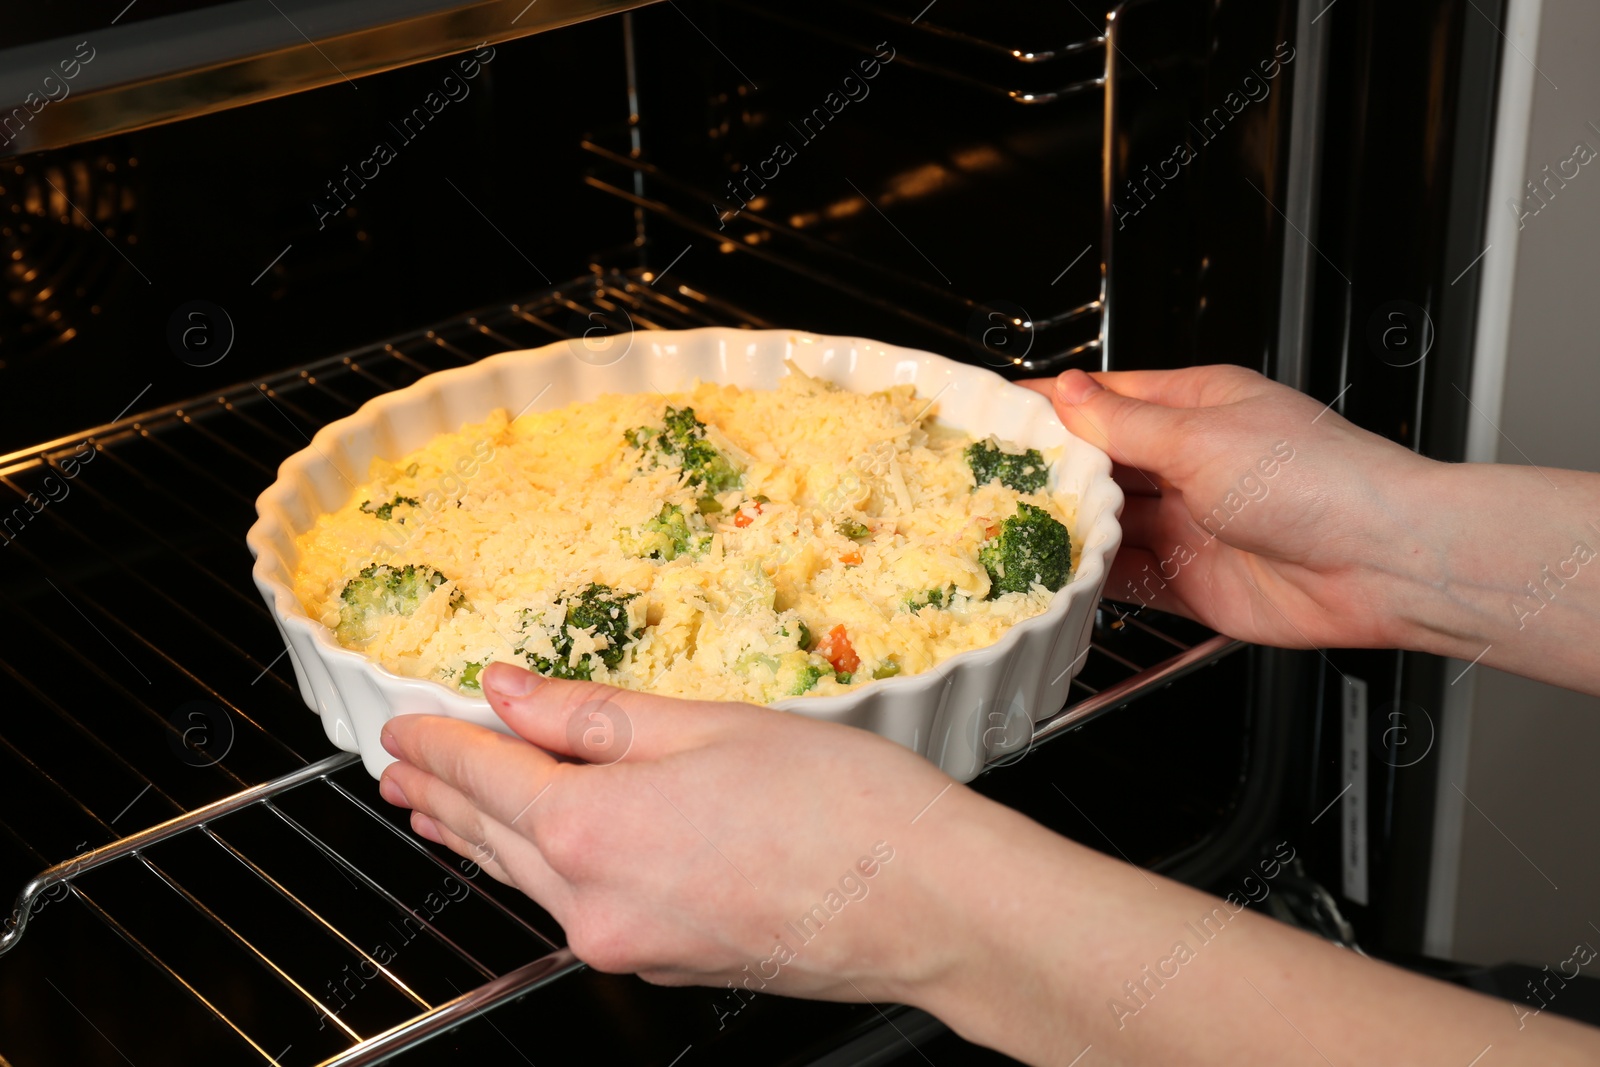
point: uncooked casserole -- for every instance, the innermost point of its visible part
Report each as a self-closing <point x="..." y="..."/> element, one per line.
<point x="723" y="542"/>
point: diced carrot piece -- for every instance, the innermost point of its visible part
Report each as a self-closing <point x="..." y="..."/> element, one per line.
<point x="837" y="650"/>
<point x="746" y="516"/>
<point x="851" y="558"/>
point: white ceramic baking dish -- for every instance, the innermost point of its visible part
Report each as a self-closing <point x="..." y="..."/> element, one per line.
<point x="974" y="707"/>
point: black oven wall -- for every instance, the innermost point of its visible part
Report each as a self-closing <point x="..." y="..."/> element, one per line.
<point x="316" y="222"/>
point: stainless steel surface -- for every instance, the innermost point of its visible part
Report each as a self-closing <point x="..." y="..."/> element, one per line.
<point x="1300" y="196"/>
<point x="177" y="66"/>
<point x="67" y="870"/>
<point x="515" y="983"/>
<point x="1164" y="673"/>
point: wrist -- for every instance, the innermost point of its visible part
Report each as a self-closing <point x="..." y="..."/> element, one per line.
<point x="1007" y="911"/>
<point x="1419" y="595"/>
<point x="1463" y="574"/>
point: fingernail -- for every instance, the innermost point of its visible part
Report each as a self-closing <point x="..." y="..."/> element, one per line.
<point x="390" y="745"/>
<point x="1074" y="386"/>
<point x="426" y="827"/>
<point x="511" y="681"/>
<point x="390" y="790"/>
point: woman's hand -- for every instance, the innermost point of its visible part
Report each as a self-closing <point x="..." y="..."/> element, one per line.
<point x="1263" y="514"/>
<point x="1250" y="506"/>
<point x="710" y="842"/>
<point x="720" y="844"/>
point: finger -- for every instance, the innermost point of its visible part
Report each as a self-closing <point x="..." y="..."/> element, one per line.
<point x="470" y="832"/>
<point x="1188" y="387"/>
<point x="1133" y="480"/>
<point x="483" y="857"/>
<point x="500" y="774"/>
<point x="439" y="834"/>
<point x="1045" y="387"/>
<point x="1135" y="433"/>
<point x="600" y="723"/>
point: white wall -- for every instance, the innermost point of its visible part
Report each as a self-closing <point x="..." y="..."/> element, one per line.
<point x="1528" y="883"/>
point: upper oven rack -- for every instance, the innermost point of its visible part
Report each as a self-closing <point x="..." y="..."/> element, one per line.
<point x="1131" y="654"/>
<point x="752" y="231"/>
<point x="1026" y="71"/>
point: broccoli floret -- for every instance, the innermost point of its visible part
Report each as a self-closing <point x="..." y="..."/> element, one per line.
<point x="1031" y="547"/>
<point x="386" y="511"/>
<point x="667" y="536"/>
<point x="803" y="638"/>
<point x="1026" y="473"/>
<point x="469" y="676"/>
<point x="794" y="672"/>
<point x="684" y="436"/>
<point x="384" y="590"/>
<point x="807" y="677"/>
<point x="856" y="531"/>
<point x="597" y="608"/>
<point x="931" y="598"/>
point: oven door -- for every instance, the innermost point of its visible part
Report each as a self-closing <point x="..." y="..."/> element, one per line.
<point x="298" y="921"/>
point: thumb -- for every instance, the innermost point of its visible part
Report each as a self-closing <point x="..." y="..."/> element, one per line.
<point x="593" y="722"/>
<point x="1134" y="432"/>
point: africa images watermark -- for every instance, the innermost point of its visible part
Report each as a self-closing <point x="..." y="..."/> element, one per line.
<point x="55" y="89"/>
<point x="852" y="887"/>
<point x="55" y="490"/>
<point x="1250" y="488"/>
<point x="851" y="90"/>
<point x="1543" y="592"/>
<point x="1583" y="153"/>
<point x="1583" y="954"/>
<point x="1254" y="90"/>
<point x="1142" y="990"/>
<point x="446" y="490"/>
<point x="455" y="90"/>
<point x="352" y="981"/>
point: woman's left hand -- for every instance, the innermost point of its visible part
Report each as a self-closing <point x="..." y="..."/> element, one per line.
<point x="695" y="841"/>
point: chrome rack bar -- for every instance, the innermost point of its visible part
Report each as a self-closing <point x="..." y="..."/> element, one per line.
<point x="1114" y="696"/>
<point x="67" y="870"/>
<point x="452" y="1013"/>
<point x="525" y="310"/>
<point x="1036" y="55"/>
<point x="414" y="842"/>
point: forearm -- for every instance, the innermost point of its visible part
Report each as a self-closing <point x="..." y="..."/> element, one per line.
<point x="1505" y="564"/>
<point x="1054" y="948"/>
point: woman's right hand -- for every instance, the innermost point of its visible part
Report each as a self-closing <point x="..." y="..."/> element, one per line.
<point x="1265" y="515"/>
<point x="1250" y="506"/>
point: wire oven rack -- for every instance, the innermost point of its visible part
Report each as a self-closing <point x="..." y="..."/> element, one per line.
<point x="148" y="668"/>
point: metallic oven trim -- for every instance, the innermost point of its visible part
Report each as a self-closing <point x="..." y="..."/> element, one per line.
<point x="178" y="66"/>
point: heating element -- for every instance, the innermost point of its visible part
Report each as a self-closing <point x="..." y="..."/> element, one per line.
<point x="293" y="915"/>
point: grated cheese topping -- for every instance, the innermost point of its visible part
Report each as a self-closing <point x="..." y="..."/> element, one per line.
<point x="848" y="551"/>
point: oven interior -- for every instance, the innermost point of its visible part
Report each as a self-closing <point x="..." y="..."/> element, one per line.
<point x="599" y="177"/>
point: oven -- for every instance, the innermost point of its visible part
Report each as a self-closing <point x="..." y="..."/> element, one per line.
<point x="226" y="224"/>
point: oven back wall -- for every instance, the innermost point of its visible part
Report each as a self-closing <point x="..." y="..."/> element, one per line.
<point x="476" y="195"/>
